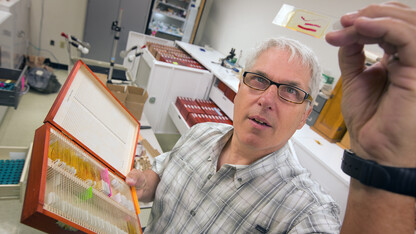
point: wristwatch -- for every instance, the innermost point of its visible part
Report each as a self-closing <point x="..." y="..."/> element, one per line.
<point x="370" y="173"/>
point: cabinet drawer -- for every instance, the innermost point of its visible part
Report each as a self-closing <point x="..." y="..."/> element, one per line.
<point x="178" y="119"/>
<point x="12" y="97"/>
<point x="222" y="101"/>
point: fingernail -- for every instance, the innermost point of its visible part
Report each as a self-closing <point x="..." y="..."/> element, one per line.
<point x="351" y="15"/>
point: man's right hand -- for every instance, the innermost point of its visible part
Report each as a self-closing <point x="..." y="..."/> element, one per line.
<point x="378" y="105"/>
<point x="145" y="183"/>
<point x="378" y="102"/>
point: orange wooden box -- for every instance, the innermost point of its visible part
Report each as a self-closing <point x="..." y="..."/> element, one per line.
<point x="80" y="159"/>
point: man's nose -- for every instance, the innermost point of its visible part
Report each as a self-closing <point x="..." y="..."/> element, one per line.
<point x="269" y="97"/>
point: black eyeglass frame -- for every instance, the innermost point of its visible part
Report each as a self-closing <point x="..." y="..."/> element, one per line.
<point x="307" y="95"/>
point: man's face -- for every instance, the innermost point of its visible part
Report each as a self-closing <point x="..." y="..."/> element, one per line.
<point x="262" y="119"/>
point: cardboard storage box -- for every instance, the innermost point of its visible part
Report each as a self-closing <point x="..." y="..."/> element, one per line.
<point x="133" y="98"/>
<point x="119" y="91"/>
<point x="80" y="158"/>
<point x="14" y="166"/>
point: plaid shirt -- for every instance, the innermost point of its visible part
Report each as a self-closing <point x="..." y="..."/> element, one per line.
<point x="272" y="195"/>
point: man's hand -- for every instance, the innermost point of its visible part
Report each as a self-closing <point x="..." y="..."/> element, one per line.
<point x="137" y="179"/>
<point x="145" y="183"/>
<point x="379" y="102"/>
<point x="379" y="108"/>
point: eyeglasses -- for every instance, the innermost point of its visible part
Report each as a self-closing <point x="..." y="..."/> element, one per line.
<point x="287" y="92"/>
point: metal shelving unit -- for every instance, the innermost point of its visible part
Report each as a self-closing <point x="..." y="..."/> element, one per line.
<point x="173" y="19"/>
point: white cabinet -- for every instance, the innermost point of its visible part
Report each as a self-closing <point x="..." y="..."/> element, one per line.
<point x="18" y="33"/>
<point x="6" y="40"/>
<point x="225" y="76"/>
<point x="165" y="82"/>
<point x="131" y="61"/>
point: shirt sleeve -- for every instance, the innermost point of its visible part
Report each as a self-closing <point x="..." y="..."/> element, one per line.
<point x="322" y="219"/>
<point x="159" y="163"/>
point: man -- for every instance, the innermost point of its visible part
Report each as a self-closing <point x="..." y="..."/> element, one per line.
<point x="239" y="193"/>
<point x="220" y="179"/>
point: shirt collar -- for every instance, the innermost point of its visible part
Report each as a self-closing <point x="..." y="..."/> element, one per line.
<point x="216" y="151"/>
<point x="260" y="167"/>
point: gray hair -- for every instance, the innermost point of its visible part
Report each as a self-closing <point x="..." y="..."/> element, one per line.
<point x="306" y="55"/>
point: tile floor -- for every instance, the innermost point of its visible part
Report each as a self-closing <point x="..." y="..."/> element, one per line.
<point x="17" y="129"/>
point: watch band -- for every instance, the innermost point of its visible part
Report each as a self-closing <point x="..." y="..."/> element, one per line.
<point x="370" y="173"/>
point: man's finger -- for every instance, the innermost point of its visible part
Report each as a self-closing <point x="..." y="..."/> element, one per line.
<point x="391" y="9"/>
<point x="395" y="32"/>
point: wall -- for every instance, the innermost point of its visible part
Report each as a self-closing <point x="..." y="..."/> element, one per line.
<point x="225" y="24"/>
<point x="241" y="24"/>
<point x="48" y="18"/>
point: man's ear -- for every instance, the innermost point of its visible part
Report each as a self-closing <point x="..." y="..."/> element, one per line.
<point x="305" y="116"/>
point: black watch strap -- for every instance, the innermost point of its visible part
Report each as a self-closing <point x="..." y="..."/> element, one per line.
<point x="370" y="173"/>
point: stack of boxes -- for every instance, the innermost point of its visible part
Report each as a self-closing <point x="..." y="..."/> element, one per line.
<point x="228" y="92"/>
<point x="197" y="111"/>
<point x="174" y="55"/>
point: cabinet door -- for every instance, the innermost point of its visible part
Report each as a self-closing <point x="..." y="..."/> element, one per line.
<point x="157" y="86"/>
<point x="166" y="83"/>
<point x="330" y="123"/>
<point x="98" y="21"/>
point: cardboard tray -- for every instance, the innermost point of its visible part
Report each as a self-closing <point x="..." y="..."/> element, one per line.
<point x="86" y="134"/>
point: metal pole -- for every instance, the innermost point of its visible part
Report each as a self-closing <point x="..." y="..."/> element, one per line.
<point x="116" y="26"/>
<point x="70" y="57"/>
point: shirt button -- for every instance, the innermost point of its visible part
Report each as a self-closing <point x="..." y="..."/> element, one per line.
<point x="209" y="176"/>
<point x="192" y="212"/>
<point x="239" y="180"/>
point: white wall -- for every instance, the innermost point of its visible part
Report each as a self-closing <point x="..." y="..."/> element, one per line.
<point x="58" y="16"/>
<point x="225" y="24"/>
<point x="240" y="24"/>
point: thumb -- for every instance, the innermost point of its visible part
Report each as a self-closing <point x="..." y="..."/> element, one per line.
<point x="133" y="177"/>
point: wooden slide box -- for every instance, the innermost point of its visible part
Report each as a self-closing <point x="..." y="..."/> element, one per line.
<point x="80" y="158"/>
